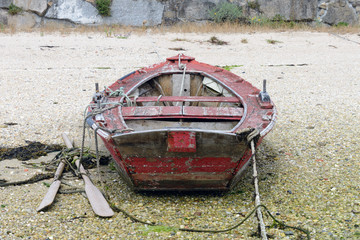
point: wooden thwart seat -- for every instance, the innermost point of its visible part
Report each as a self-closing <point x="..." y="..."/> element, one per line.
<point x="186" y="99"/>
<point x="151" y="112"/>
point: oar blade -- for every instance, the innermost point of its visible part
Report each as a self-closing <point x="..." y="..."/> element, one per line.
<point x="98" y="201"/>
<point x="96" y="198"/>
<point x="50" y="195"/>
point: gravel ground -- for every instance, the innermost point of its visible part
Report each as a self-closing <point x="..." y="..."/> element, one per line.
<point x="308" y="165"/>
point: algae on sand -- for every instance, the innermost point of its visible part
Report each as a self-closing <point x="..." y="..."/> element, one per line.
<point x="32" y="150"/>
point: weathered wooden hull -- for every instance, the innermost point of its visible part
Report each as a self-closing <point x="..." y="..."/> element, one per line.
<point x="188" y="146"/>
<point x="180" y="159"/>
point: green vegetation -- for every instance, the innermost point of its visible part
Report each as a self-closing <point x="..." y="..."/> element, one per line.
<point x="180" y="40"/>
<point x="226" y="12"/>
<point x="112" y="166"/>
<point x="259" y="20"/>
<point x="276" y="22"/>
<point x="216" y="41"/>
<point x="147" y="229"/>
<point x="271" y="41"/>
<point x="278" y="18"/>
<point x="342" y="24"/>
<point x="229" y="67"/>
<point x="103" y="68"/>
<point x="13" y="9"/>
<point x="254" y="5"/>
<point x="279" y="21"/>
<point x="103" y="6"/>
<point x="109" y="32"/>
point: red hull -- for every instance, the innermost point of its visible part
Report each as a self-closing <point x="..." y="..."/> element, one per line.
<point x="194" y="146"/>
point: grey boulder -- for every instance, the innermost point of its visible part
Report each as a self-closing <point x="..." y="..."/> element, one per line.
<point x="76" y="11"/>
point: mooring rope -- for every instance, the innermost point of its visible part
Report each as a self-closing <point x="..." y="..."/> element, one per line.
<point x="181" y="67"/>
<point x="257" y="194"/>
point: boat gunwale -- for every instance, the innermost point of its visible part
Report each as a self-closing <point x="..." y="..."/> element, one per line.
<point x="266" y="130"/>
<point x="271" y="124"/>
<point x="172" y="129"/>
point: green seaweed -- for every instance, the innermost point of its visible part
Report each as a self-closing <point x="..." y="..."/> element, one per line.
<point x="229" y="67"/>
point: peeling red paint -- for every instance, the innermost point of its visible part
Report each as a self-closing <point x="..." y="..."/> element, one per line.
<point x="181" y="142"/>
<point x="183" y="158"/>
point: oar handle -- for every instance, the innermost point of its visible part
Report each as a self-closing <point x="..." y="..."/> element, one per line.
<point x="82" y="171"/>
<point x="59" y="170"/>
<point x="67" y="141"/>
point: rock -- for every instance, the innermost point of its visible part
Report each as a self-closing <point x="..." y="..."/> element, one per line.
<point x="188" y="10"/>
<point x="5" y="3"/>
<point x="135" y="13"/>
<point x="4" y="15"/>
<point x="342" y="3"/>
<point x="37" y="6"/>
<point x="323" y="5"/>
<point x="290" y="9"/>
<point x="196" y="10"/>
<point x="55" y="23"/>
<point x="337" y="12"/>
<point x="76" y="11"/>
<point x="322" y="12"/>
<point x="289" y="233"/>
<point x="322" y="144"/>
<point x="24" y="20"/>
<point x="156" y="12"/>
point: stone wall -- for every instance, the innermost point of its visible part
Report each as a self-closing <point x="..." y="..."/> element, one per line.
<point x="155" y="12"/>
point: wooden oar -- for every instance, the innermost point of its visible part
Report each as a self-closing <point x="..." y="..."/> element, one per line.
<point x="53" y="189"/>
<point x="96" y="199"/>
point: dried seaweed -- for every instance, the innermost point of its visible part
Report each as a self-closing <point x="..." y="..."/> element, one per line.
<point x="32" y="150"/>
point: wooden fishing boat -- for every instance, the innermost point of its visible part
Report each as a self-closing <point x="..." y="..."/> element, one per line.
<point x="181" y="125"/>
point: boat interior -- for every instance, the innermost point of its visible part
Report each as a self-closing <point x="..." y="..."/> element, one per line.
<point x="182" y="101"/>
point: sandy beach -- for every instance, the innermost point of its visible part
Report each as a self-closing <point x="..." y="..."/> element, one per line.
<point x="308" y="165"/>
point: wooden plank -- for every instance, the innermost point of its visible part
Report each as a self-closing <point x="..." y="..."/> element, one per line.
<point x="134" y="112"/>
<point x="178" y="82"/>
<point x="187" y="99"/>
<point x="181" y="112"/>
<point x="213" y="112"/>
